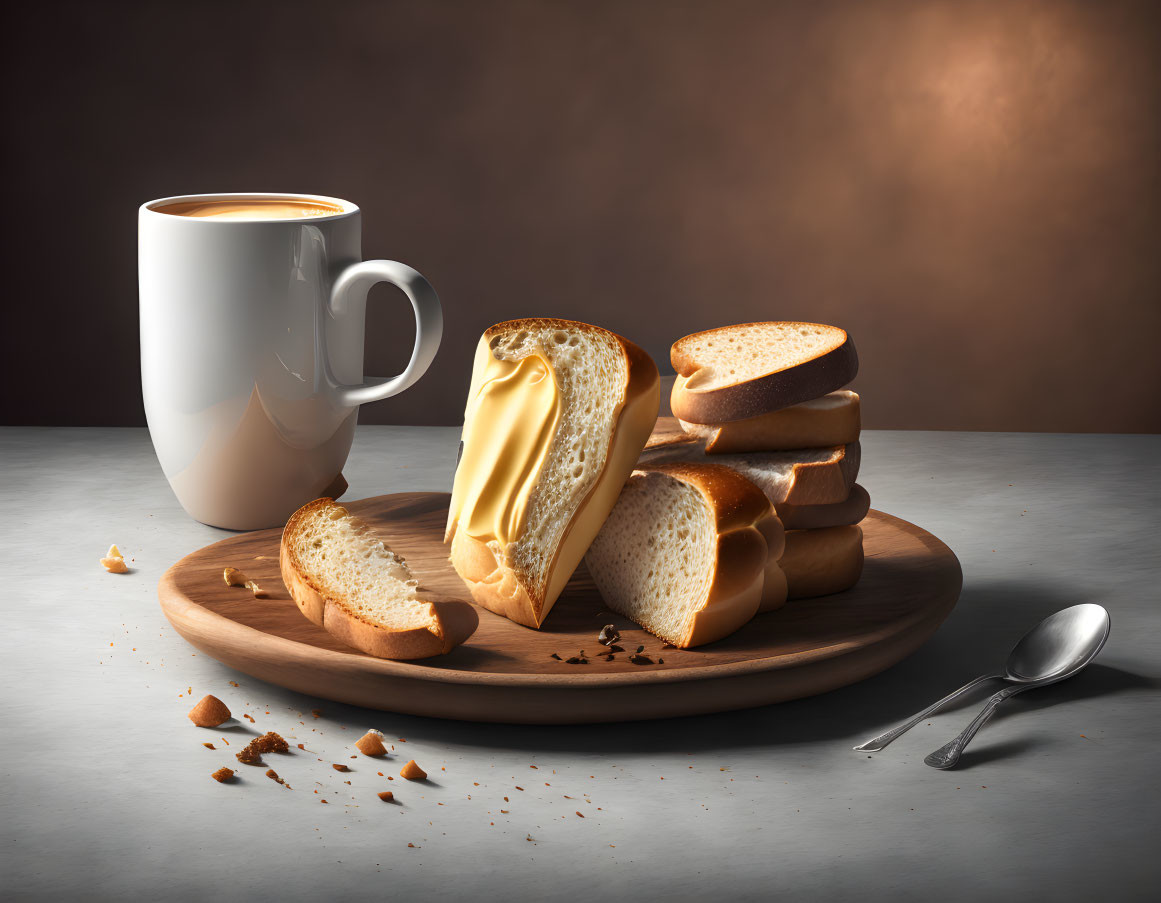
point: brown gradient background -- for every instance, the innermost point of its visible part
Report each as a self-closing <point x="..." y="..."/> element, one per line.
<point x="972" y="189"/>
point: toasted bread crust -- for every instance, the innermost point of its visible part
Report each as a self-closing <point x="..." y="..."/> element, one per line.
<point x="837" y="514"/>
<point x="814" y="482"/>
<point x="763" y="394"/>
<point x="503" y="590"/>
<point x="746" y="527"/>
<point x="451" y="622"/>
<point x="826" y="482"/>
<point x="821" y="562"/>
<point x="830" y="420"/>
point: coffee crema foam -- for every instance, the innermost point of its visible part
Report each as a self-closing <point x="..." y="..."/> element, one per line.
<point x="251" y="208"/>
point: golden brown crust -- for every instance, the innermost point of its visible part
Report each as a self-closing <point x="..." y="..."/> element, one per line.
<point x="774" y="588"/>
<point x="541" y="322"/>
<point x="771" y="392"/>
<point x="821" y="562"/>
<point x="451" y="623"/>
<point x="833" y="420"/>
<point x="849" y="511"/>
<point x="502" y="590"/>
<point x="825" y="482"/>
<point x="734" y="500"/>
<point x="813" y="483"/>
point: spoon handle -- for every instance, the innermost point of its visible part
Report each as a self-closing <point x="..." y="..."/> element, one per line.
<point x="883" y="739"/>
<point x="948" y="755"/>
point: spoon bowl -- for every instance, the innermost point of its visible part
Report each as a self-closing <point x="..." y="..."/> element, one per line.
<point x="1059" y="646"/>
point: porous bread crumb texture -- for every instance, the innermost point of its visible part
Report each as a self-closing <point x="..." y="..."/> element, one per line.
<point x="653" y="560"/>
<point x="591" y="373"/>
<point x="736" y="354"/>
<point x="345" y="561"/>
<point x="223" y="774"/>
<point x="251" y="754"/>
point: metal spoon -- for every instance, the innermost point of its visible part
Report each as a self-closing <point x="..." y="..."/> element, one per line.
<point x="1054" y="649"/>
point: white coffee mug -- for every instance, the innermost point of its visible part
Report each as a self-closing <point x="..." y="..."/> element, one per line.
<point x="252" y="348"/>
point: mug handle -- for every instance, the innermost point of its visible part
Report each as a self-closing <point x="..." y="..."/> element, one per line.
<point x="356" y="280"/>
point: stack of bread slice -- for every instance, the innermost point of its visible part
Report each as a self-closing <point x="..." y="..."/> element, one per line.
<point x="767" y="400"/>
<point x="763" y="402"/>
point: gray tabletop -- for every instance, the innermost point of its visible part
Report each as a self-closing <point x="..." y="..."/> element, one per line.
<point x="107" y="790"/>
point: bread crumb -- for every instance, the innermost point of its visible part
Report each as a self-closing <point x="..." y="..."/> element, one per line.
<point x="114" y="561"/>
<point x="580" y="814"/>
<point x="386" y="796"/>
<point x="413" y="772"/>
<point x="338" y="767"/>
<point x="273" y="775"/>
<point x="270" y="742"/>
<point x="208" y="745"/>
<point x="223" y="774"/>
<point x="259" y="592"/>
<point x="250" y="718"/>
<point x="234" y="577"/>
<point x="371" y="744"/>
<point x="210" y="712"/>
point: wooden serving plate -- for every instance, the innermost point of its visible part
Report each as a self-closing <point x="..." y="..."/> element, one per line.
<point x="505" y="672"/>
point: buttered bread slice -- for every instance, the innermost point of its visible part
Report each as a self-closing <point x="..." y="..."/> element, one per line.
<point x="557" y="414"/>
<point x="690" y="553"/>
<point x="343" y="578"/>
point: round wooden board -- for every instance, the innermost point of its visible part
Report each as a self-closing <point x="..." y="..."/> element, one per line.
<point x="505" y="672"/>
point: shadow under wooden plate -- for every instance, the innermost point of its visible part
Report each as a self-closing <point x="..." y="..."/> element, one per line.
<point x="505" y="672"/>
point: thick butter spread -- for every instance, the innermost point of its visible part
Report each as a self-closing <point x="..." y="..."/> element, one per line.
<point x="509" y="424"/>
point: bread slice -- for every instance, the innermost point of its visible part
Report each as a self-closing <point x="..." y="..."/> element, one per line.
<point x="821" y="562"/>
<point x="830" y="420"/>
<point x="347" y="581"/>
<point x="557" y="414"/>
<point x="737" y="372"/>
<point x="684" y="552"/>
<point x="812" y="476"/>
<point x="849" y="511"/>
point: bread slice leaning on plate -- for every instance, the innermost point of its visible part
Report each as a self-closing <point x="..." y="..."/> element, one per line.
<point x="739" y="372"/>
<point x="690" y="553"/>
<point x="557" y="414"/>
<point x="344" y="579"/>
